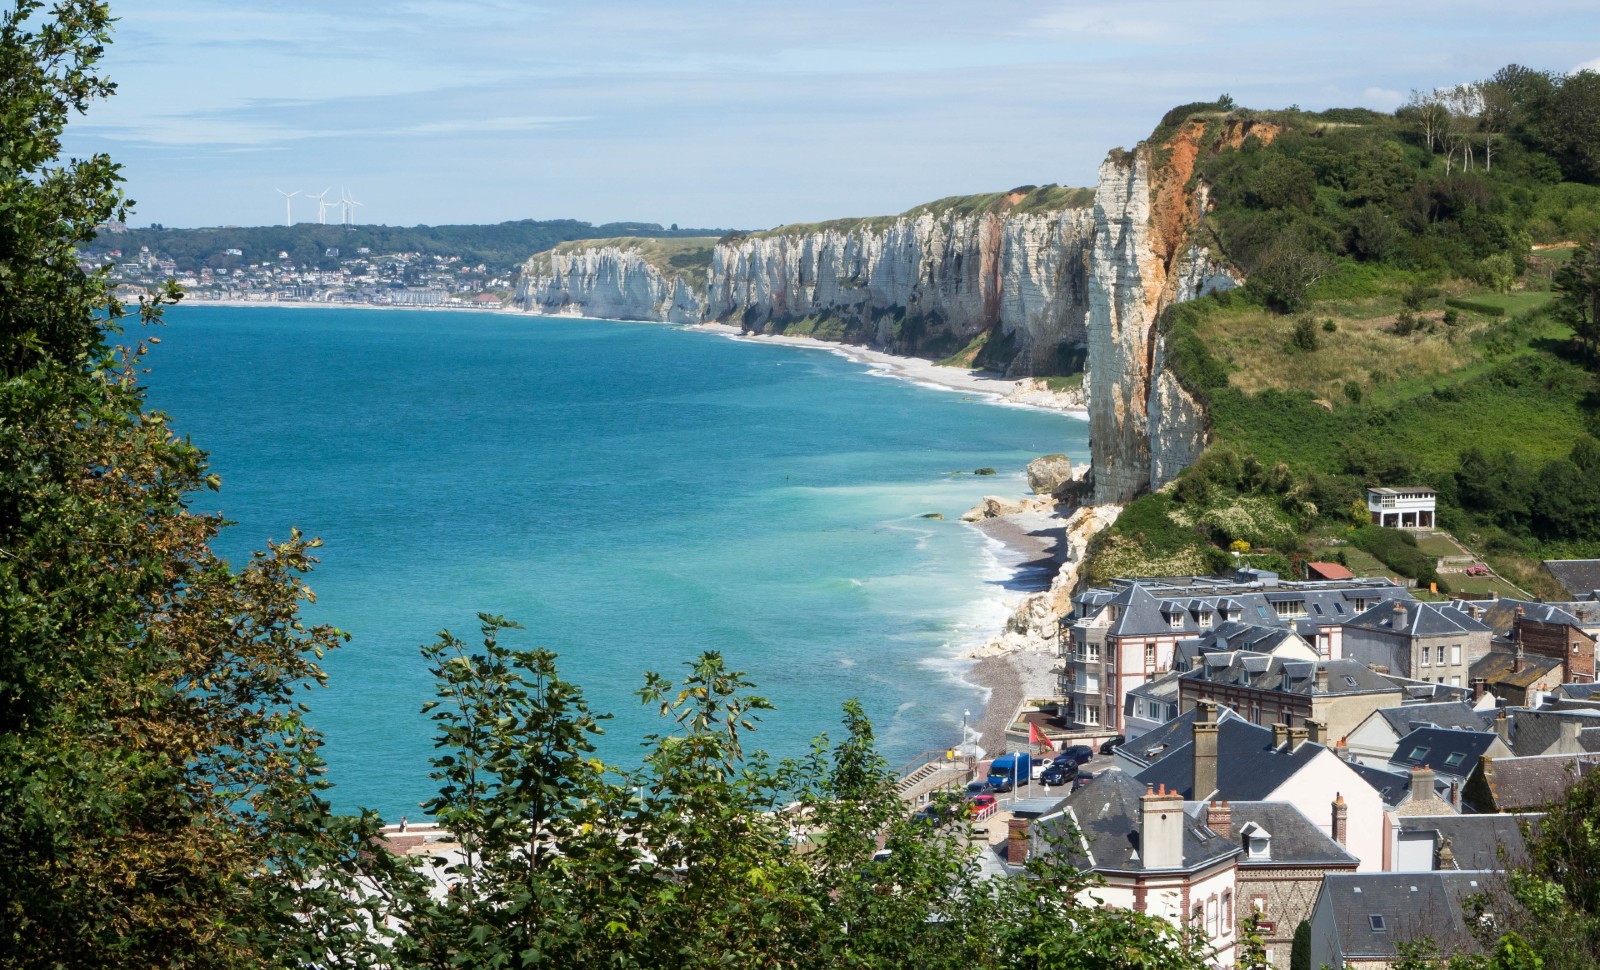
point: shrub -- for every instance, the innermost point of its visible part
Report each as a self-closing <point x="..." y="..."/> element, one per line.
<point x="1398" y="550"/>
<point x="1328" y="326"/>
<point x="1305" y="334"/>
<point x="1352" y="392"/>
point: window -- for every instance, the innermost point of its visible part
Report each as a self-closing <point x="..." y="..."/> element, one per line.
<point x="1091" y="682"/>
<point x="1386" y="502"/>
<point x="1455" y="654"/>
<point x="1227" y="911"/>
<point x="1211" y="916"/>
<point x="1093" y="651"/>
<point x="1455" y="759"/>
<point x="1150" y="654"/>
<point x="1205" y="619"/>
<point x="1290" y="608"/>
<point x="1418" y="753"/>
<point x="1258" y="904"/>
<point x="1091" y="714"/>
<point x="1455" y="681"/>
<point x="1427" y="652"/>
<point x="1376" y="922"/>
<point x="1177" y="621"/>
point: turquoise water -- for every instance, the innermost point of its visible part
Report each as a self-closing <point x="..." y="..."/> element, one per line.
<point x="633" y="494"/>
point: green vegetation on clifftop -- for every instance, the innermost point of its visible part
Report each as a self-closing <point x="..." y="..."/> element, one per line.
<point x="1409" y="318"/>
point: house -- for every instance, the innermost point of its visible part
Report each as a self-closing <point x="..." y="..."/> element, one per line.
<point x="1209" y="754"/>
<point x="1536" y="732"/>
<point x="1334" y="694"/>
<point x="1327" y="570"/>
<point x="1453" y="755"/>
<point x="1361" y="919"/>
<point x="1516" y="677"/>
<point x="1280" y="872"/>
<point x="1375" y="739"/>
<point x="1443" y="843"/>
<point x="1150" y="856"/>
<point x="1150" y="705"/>
<point x="1561" y="631"/>
<point x="1424" y="641"/>
<point x="1574" y="696"/>
<point x="1401" y="508"/>
<point x="1578" y="577"/>
<point x="1122" y="636"/>
<point x="1533" y="784"/>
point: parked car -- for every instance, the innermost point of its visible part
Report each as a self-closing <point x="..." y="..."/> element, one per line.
<point x="1060" y="774"/>
<point x="1084" y="777"/>
<point x="1001" y="784"/>
<point x="1477" y="570"/>
<point x="1010" y="768"/>
<point x="1109" y="744"/>
<point x="1078" y="754"/>
<point x="976" y="788"/>
<point x="979" y="804"/>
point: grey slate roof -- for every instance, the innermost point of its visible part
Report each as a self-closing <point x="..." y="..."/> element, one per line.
<point x="1451" y="714"/>
<point x="1249" y="768"/>
<point x="1413" y="619"/>
<point x="1577" y="692"/>
<point x="1107" y="815"/>
<point x="1535" y="732"/>
<point x="1296" y="840"/>
<point x="1450" y="753"/>
<point x="1264" y="672"/>
<point x="1534" y="783"/>
<point x="1477" y="841"/>
<point x="1152" y="746"/>
<point x="1495" y="667"/>
<point x="1147" y="607"/>
<point x="1408" y="906"/>
<point x="1392" y="786"/>
<point x="1501" y="614"/>
<point x="1576" y="575"/>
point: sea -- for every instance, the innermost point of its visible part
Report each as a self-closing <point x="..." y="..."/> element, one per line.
<point x="632" y="494"/>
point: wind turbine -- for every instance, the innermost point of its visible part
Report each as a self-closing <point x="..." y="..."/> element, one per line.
<point x="350" y="206"/>
<point x="288" y="211"/>
<point x="322" y="206"/>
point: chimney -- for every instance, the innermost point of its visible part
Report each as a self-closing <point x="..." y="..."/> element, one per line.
<point x="1322" y="679"/>
<point x="1446" y="855"/>
<point x="1316" y="731"/>
<point x="1517" y="658"/>
<point x="1297" y="737"/>
<point x="1479" y="686"/>
<point x="1219" y="819"/>
<point x="1421" y="783"/>
<point x="1502" y="726"/>
<point x="1341" y="819"/>
<point x="1568" y="737"/>
<point x="1017" y="841"/>
<point x="1205" y="750"/>
<point x="1342" y="749"/>
<point x="1161" y="829"/>
<point x="1455" y="795"/>
<point x="1280" y="735"/>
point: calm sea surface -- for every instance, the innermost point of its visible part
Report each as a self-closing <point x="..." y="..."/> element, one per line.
<point x="633" y="494"/>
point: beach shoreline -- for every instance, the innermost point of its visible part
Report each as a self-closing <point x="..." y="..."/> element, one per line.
<point x="1029" y="547"/>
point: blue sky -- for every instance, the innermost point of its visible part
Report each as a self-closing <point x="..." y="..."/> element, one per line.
<point x="729" y="113"/>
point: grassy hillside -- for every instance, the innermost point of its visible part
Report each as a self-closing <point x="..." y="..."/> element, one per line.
<point x="1023" y="199"/>
<point x="1403" y="323"/>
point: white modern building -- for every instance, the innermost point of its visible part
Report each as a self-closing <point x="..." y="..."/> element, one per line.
<point x="1401" y="508"/>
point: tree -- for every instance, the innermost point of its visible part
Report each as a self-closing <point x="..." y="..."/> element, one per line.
<point x="160" y="792"/>
<point x="1570" y="127"/>
<point x="1578" y="301"/>
<point x="1431" y="115"/>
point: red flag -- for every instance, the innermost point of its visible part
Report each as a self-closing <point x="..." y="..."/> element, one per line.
<point x="1037" y="737"/>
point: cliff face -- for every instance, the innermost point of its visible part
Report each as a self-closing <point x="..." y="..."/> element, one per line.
<point x="1144" y="427"/>
<point x="927" y="284"/>
<point x="613" y="280"/>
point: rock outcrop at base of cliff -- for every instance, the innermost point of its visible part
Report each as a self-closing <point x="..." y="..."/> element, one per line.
<point x="1007" y="286"/>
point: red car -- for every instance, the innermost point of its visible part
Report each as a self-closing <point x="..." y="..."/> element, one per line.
<point x="978" y="804"/>
<point x="1477" y="570"/>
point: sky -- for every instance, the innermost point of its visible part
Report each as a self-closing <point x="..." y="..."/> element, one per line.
<point x="728" y="113"/>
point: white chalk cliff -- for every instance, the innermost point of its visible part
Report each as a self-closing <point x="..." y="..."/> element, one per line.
<point x="611" y="280"/>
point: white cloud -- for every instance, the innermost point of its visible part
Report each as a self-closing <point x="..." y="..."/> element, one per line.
<point x="1382" y="99"/>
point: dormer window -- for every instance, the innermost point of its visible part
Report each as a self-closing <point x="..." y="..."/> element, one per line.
<point x="1177" y="621"/>
<point x="1205" y="619"/>
<point x="1257" y="841"/>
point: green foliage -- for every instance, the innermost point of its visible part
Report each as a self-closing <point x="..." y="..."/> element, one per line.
<point x="1398" y="550"/>
<point x="1487" y="309"/>
<point x="1304" y="336"/>
<point x="1300" y="948"/>
<point x="160" y="793"/>
<point x="1578" y="305"/>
